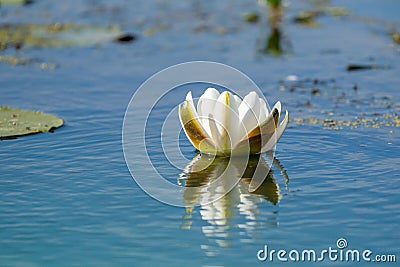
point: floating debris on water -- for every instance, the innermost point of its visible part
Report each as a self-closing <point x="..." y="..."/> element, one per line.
<point x="158" y="28"/>
<point x="252" y="17"/>
<point x="375" y="121"/>
<point x="315" y="91"/>
<point x="337" y="11"/>
<point x="307" y="18"/>
<point x="16" y="60"/>
<point x="396" y="37"/>
<point x="321" y="101"/>
<point x="355" y="67"/>
<point x="125" y="38"/>
<point x="13" y="60"/>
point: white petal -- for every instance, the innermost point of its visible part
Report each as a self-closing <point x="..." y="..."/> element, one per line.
<point x="278" y="106"/>
<point x="238" y="100"/>
<point x="249" y="111"/>
<point x="189" y="98"/>
<point x="215" y="135"/>
<point x="263" y="111"/>
<point x="193" y="128"/>
<point x="277" y="135"/>
<point x="259" y="136"/>
<point x="205" y="107"/>
<point x="226" y="119"/>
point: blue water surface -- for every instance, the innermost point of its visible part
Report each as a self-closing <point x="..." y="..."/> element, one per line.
<point x="68" y="199"/>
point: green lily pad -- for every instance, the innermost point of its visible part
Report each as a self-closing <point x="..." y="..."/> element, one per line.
<point x="59" y="35"/>
<point x="16" y="122"/>
<point x="10" y="2"/>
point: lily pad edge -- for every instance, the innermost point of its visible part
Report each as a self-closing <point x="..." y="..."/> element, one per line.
<point x="29" y="122"/>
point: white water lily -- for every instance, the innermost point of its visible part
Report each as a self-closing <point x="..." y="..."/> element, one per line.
<point x="223" y="124"/>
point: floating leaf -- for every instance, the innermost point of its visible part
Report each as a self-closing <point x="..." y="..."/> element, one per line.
<point x="24" y="2"/>
<point x="16" y="122"/>
<point x="58" y="34"/>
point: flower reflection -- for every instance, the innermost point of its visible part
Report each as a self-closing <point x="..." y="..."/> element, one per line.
<point x="203" y="170"/>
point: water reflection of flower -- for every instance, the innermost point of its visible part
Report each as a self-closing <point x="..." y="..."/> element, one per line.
<point x="204" y="170"/>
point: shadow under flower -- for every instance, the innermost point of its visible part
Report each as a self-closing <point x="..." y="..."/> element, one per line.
<point x="234" y="197"/>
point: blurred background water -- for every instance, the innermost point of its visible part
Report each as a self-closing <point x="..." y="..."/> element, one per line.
<point x="67" y="198"/>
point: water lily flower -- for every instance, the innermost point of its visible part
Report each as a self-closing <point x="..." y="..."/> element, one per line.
<point x="223" y="124"/>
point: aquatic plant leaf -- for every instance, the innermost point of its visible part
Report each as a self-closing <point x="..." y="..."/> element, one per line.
<point x="16" y="122"/>
<point x="274" y="3"/>
<point x="11" y="2"/>
<point x="58" y="35"/>
<point x="273" y="44"/>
